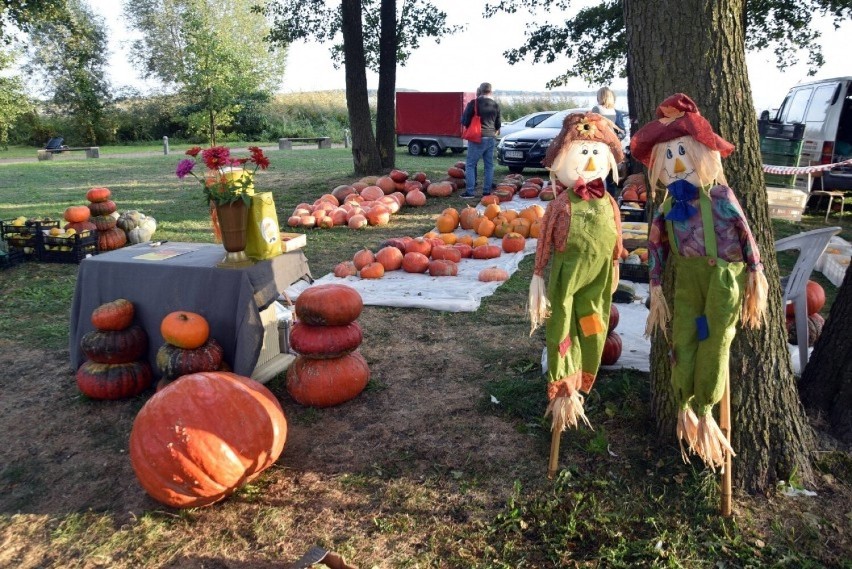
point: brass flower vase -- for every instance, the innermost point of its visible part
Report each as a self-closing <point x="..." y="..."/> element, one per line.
<point x="233" y="224"/>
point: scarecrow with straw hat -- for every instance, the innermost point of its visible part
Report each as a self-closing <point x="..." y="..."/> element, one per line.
<point x="581" y="235"/>
<point x="718" y="276"/>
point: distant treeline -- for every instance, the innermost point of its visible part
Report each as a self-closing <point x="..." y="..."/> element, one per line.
<point x="306" y="114"/>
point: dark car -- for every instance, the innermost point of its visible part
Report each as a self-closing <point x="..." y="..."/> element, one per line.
<point x="526" y="148"/>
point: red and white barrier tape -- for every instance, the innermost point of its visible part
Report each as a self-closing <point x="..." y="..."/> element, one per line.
<point x="797" y="170"/>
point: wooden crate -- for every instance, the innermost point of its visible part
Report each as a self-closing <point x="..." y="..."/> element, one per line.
<point x="786" y="203"/>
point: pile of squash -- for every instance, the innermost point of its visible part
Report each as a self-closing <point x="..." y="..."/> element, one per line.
<point x="188" y="347"/>
<point x="138" y="227"/>
<point x="329" y="369"/>
<point x="117" y="354"/>
<point x="369" y="201"/>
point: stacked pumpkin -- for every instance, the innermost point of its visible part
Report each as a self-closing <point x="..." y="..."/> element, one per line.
<point x="815" y="298"/>
<point x="188" y="348"/>
<point x="455" y="175"/>
<point x="329" y="369"/>
<point x="612" y="344"/>
<point x="102" y="210"/>
<point x="197" y="441"/>
<point x="117" y="365"/>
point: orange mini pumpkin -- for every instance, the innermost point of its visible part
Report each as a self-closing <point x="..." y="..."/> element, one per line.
<point x="185" y="329"/>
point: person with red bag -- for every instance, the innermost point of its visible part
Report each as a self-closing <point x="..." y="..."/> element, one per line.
<point x="485" y="111"/>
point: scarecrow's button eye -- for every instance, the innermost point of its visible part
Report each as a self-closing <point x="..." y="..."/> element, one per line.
<point x="681" y="150"/>
<point x="668" y="153"/>
<point x="585" y="151"/>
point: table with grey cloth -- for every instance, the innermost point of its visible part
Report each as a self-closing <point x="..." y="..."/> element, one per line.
<point x="230" y="299"/>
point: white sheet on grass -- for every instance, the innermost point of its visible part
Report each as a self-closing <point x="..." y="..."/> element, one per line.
<point x="462" y="293"/>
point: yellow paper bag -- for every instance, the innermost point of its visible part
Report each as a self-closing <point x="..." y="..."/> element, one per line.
<point x="263" y="238"/>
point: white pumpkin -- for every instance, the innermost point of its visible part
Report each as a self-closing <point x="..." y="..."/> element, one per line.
<point x="143" y="232"/>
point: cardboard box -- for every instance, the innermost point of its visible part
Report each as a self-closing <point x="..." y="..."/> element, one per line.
<point x="293" y="241"/>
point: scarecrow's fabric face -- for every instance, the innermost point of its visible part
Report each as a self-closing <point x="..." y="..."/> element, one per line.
<point x="678" y="163"/>
<point x="588" y="160"/>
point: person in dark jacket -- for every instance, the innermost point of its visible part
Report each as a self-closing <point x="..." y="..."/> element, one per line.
<point x="489" y="113"/>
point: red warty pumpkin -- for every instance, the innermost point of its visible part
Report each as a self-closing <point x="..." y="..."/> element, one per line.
<point x="115" y="346"/>
<point x="103" y="222"/>
<point x="325" y="383"/>
<point x="174" y="362"/>
<point x="115" y="315"/>
<point x="323" y="342"/>
<point x="815" y="325"/>
<point x="186" y="455"/>
<point x="612" y="349"/>
<point x="113" y="381"/>
<point x="329" y="305"/>
<point x="185" y="329"/>
<point x="102" y="208"/>
<point x="111" y="239"/>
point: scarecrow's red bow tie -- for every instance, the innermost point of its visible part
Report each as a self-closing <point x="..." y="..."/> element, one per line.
<point x="594" y="189"/>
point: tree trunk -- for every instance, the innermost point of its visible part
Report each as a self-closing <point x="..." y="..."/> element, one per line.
<point x="826" y="385"/>
<point x="386" y="112"/>
<point x="364" y="152"/>
<point x="699" y="49"/>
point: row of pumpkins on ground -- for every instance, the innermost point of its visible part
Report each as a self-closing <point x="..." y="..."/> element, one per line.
<point x="439" y="253"/>
<point x="182" y="451"/>
<point x="369" y="201"/>
<point x="114" y="230"/>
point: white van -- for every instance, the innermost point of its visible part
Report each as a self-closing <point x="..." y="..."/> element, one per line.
<point x="825" y="108"/>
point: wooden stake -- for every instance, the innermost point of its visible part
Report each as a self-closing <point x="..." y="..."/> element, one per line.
<point x="555" y="437"/>
<point x="725" y="425"/>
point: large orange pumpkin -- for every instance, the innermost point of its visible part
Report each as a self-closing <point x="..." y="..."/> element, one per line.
<point x="203" y="436"/>
<point x="390" y="257"/>
<point x="325" y="383"/>
<point x="329" y="305"/>
<point x="415" y="262"/>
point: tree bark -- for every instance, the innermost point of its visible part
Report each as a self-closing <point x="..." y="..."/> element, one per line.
<point x="385" y="106"/>
<point x="699" y="49"/>
<point x="826" y="384"/>
<point x="364" y="152"/>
